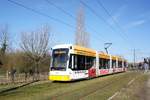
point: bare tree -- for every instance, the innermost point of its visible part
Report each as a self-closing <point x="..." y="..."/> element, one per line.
<point x="81" y="37"/>
<point x="36" y="45"/>
<point x="3" y="42"/>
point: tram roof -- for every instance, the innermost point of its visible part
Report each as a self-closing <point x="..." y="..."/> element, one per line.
<point x="75" y="47"/>
<point x="62" y="46"/>
<point x="84" y="51"/>
<point x="87" y="51"/>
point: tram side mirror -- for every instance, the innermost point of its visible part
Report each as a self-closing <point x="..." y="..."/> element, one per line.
<point x="70" y="47"/>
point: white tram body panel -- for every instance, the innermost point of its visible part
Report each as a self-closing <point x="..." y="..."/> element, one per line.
<point x="81" y="74"/>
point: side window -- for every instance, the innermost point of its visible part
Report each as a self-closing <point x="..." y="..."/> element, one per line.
<point x="70" y="62"/>
<point x="101" y="63"/>
<point x="113" y="63"/>
<point x="104" y="63"/>
<point x="108" y="63"/>
<point x="90" y="62"/>
<point x="73" y="62"/>
<point x="120" y="64"/>
<point x="81" y="62"/>
<point x="78" y="62"/>
<point x="125" y="64"/>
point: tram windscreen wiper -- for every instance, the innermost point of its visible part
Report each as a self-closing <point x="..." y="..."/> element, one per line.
<point x="58" y="68"/>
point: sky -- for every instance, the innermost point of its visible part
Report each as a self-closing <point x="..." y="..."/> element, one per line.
<point x="127" y="28"/>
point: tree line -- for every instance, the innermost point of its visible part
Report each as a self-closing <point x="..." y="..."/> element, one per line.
<point x="32" y="58"/>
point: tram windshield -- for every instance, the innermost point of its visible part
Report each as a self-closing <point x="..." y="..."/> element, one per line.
<point x="60" y="57"/>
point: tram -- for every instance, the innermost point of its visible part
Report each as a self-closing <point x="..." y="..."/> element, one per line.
<point x="72" y="62"/>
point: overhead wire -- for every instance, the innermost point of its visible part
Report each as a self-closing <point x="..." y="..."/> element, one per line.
<point x="62" y="22"/>
<point x="46" y="15"/>
<point x="40" y="13"/>
<point x="115" y="22"/>
<point x="52" y="18"/>
<point x="101" y="18"/>
<point x="69" y="14"/>
<point x="58" y="7"/>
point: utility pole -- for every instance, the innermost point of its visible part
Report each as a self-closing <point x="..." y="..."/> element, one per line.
<point x="134" y="57"/>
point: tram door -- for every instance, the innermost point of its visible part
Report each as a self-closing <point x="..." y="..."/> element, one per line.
<point x="78" y="67"/>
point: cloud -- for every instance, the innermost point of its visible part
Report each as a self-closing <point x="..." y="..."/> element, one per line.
<point x="116" y="16"/>
<point x="135" y="24"/>
<point x="141" y="19"/>
<point x="145" y="15"/>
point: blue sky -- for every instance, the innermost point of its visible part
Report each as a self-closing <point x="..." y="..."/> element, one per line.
<point x="131" y="15"/>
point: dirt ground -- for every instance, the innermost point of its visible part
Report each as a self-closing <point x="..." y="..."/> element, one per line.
<point x="148" y="88"/>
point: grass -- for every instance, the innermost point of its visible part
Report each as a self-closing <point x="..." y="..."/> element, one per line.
<point x="135" y="91"/>
<point x="11" y="86"/>
<point x="7" y="86"/>
<point x="2" y="72"/>
<point x="95" y="89"/>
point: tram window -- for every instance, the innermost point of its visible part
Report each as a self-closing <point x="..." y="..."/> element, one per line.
<point x="90" y="62"/>
<point x="80" y="62"/>
<point x="76" y="66"/>
<point x="70" y="62"/>
<point x="104" y="63"/>
<point x="73" y="62"/>
<point x="113" y="63"/>
<point x="107" y="64"/>
<point x="125" y="64"/>
<point x="100" y="63"/>
<point x="60" y="58"/>
<point x="120" y="64"/>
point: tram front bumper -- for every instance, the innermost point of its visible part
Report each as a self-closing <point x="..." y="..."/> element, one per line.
<point x="59" y="77"/>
